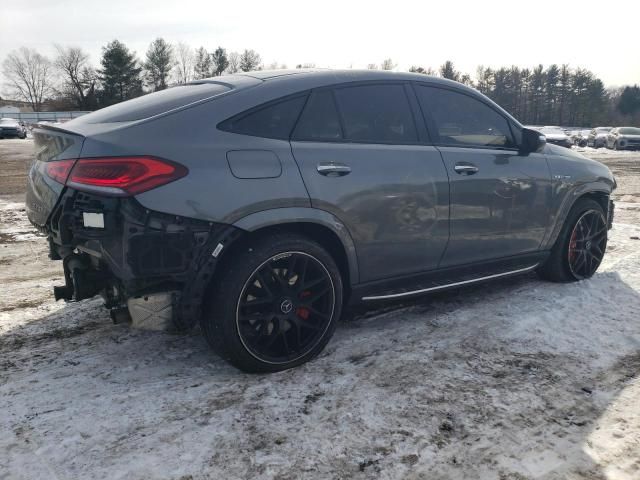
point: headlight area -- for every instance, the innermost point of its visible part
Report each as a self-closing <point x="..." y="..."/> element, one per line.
<point x="117" y="248"/>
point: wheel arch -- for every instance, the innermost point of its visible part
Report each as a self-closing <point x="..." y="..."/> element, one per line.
<point x="318" y="225"/>
<point x="600" y="192"/>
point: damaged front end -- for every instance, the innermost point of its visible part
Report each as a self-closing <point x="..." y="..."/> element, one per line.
<point x="148" y="266"/>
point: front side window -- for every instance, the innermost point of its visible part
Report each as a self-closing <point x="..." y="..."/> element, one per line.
<point x="376" y="114"/>
<point x="275" y="120"/>
<point x="461" y="120"/>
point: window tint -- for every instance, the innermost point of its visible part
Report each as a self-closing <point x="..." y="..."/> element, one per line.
<point x="463" y="120"/>
<point x="376" y="114"/>
<point x="154" y="103"/>
<point x="319" y="121"/>
<point x="273" y="121"/>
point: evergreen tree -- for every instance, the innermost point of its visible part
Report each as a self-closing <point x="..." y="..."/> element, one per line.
<point x="447" y="70"/>
<point x="221" y="61"/>
<point x="203" y="65"/>
<point x="120" y="74"/>
<point x="629" y="102"/>
<point x="249" y="60"/>
<point x="158" y="64"/>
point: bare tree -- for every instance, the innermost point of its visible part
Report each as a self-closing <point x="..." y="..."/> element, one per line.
<point x="79" y="79"/>
<point x="387" y="64"/>
<point x="372" y="66"/>
<point x="185" y="62"/>
<point x="234" y="62"/>
<point x="29" y="76"/>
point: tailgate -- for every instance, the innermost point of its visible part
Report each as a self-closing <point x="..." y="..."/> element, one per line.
<point x="51" y="144"/>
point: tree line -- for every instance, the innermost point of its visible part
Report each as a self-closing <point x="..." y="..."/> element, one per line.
<point x="555" y="95"/>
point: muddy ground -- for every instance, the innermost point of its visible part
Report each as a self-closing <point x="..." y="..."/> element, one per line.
<point x="514" y="380"/>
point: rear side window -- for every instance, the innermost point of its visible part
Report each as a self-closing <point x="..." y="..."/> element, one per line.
<point x="461" y="120"/>
<point x="376" y="114"/>
<point x="154" y="103"/>
<point x="319" y="121"/>
<point x="275" y="120"/>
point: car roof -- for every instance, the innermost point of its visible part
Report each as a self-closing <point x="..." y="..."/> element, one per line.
<point x="329" y="76"/>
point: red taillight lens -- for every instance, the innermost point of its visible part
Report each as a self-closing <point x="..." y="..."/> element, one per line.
<point x="59" y="170"/>
<point x="122" y="176"/>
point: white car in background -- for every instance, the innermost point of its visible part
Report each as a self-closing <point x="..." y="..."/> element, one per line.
<point x="12" y="128"/>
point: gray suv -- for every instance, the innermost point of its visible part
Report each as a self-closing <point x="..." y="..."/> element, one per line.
<point x="261" y="205"/>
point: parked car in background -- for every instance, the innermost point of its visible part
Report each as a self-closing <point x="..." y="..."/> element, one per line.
<point x="11" y="128"/>
<point x="580" y="137"/>
<point x="557" y="136"/>
<point x="598" y="137"/>
<point x="624" y="138"/>
<point x="261" y="204"/>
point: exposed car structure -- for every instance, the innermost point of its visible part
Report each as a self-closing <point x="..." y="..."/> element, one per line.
<point x="261" y="204"/>
<point x="10" y="128"/>
<point x="557" y="136"/>
<point x="624" y="138"/>
<point x="598" y="137"/>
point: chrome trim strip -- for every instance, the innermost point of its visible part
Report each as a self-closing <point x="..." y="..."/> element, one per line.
<point x="440" y="287"/>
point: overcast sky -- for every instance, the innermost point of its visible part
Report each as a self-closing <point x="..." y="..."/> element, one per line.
<point x="600" y="36"/>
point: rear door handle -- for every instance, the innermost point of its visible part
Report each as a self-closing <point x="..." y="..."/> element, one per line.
<point x="333" y="169"/>
<point x="465" y="168"/>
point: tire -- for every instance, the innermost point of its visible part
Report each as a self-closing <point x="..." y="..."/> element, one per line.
<point x="277" y="324"/>
<point x="561" y="263"/>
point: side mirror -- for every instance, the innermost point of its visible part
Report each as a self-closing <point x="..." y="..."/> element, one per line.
<point x="532" y="141"/>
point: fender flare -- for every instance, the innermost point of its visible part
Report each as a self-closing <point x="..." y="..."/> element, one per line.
<point x="293" y="215"/>
<point x="570" y="198"/>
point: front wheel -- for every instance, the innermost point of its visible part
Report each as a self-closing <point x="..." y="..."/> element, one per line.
<point x="275" y="304"/>
<point x="580" y="246"/>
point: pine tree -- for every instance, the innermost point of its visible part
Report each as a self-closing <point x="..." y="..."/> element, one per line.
<point x="120" y="74"/>
<point x="220" y="61"/>
<point x="249" y="60"/>
<point x="629" y="102"/>
<point x="204" y="65"/>
<point x="158" y="64"/>
<point x="447" y="70"/>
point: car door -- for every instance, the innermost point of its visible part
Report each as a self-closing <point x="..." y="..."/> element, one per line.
<point x="500" y="198"/>
<point x="362" y="159"/>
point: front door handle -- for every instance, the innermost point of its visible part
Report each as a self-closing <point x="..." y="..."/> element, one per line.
<point x="465" y="168"/>
<point x="333" y="169"/>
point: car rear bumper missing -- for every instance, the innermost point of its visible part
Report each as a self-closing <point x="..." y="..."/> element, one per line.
<point x="123" y="251"/>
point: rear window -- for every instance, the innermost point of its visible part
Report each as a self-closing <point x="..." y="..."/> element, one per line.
<point x="376" y="114"/>
<point x="154" y="103"/>
<point x="319" y="121"/>
<point x="275" y="120"/>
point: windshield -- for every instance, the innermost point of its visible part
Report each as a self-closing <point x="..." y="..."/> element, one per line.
<point x="604" y="129"/>
<point x="629" y="131"/>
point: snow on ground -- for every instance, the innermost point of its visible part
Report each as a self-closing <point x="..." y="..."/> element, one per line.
<point x="518" y="379"/>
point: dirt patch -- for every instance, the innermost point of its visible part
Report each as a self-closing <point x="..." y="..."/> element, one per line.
<point x="16" y="157"/>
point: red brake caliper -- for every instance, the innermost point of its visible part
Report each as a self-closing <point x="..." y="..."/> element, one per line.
<point x="303" y="312"/>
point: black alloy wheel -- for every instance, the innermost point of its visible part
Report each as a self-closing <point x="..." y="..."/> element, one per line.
<point x="587" y="244"/>
<point x="285" y="307"/>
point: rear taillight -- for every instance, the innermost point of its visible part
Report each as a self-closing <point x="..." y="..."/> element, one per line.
<point x="121" y="176"/>
<point x="59" y="170"/>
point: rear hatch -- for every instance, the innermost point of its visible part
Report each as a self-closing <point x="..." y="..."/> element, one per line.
<point x="52" y="147"/>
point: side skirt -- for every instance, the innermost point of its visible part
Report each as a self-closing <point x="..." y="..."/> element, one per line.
<point x="442" y="279"/>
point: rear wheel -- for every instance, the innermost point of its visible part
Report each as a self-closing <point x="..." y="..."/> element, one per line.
<point x="275" y="304"/>
<point x="580" y="246"/>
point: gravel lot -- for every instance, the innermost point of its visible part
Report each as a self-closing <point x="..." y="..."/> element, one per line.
<point x="514" y="380"/>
